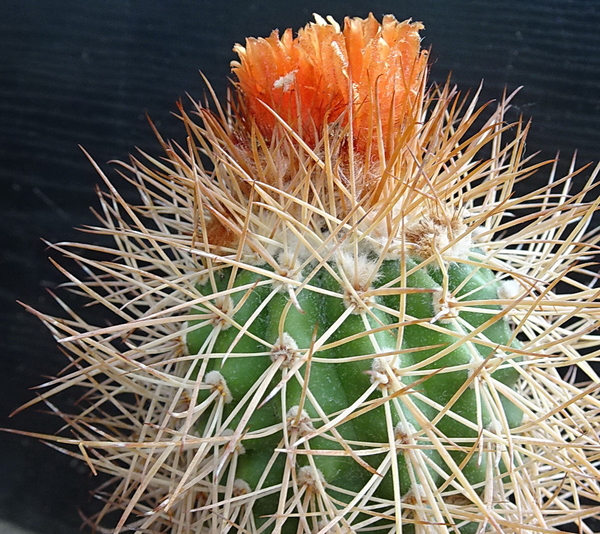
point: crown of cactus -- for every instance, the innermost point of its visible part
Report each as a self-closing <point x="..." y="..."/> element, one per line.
<point x="334" y="316"/>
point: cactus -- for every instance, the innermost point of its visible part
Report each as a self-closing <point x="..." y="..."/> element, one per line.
<point x="333" y="315"/>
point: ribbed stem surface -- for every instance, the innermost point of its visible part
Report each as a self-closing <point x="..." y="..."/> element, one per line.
<point x="334" y="376"/>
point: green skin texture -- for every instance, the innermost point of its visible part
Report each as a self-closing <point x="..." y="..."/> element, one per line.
<point x="335" y="386"/>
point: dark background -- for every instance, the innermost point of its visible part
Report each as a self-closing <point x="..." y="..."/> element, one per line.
<point x="86" y="72"/>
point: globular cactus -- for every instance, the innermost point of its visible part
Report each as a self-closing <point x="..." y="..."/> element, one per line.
<point x="334" y="316"/>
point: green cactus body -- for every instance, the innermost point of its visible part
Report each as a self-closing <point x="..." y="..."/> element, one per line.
<point x="366" y="381"/>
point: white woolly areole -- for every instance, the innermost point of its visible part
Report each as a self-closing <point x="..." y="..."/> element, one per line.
<point x="477" y="232"/>
<point x="286" y="349"/>
<point x="382" y="369"/>
<point x="299" y="421"/>
<point x="403" y="433"/>
<point x="286" y="249"/>
<point x="509" y="289"/>
<point x="382" y="363"/>
<point x="495" y="427"/>
<point x="225" y="305"/>
<point x="443" y="311"/>
<point x="239" y="448"/>
<point x="218" y="383"/>
<point x="240" y="487"/>
<point x="202" y="278"/>
<point x="441" y="231"/>
<point x="288" y="266"/>
<point x="307" y="476"/>
<point x="359" y="270"/>
<point x="461" y="248"/>
<point x="475" y="367"/>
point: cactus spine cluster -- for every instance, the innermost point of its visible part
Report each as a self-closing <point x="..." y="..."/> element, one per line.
<point x="332" y="315"/>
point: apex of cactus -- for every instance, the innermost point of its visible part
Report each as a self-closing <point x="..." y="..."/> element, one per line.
<point x="332" y="314"/>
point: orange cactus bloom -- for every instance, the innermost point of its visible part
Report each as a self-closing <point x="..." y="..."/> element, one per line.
<point x="310" y="80"/>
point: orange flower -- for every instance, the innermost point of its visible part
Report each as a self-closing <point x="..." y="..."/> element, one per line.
<point x="311" y="80"/>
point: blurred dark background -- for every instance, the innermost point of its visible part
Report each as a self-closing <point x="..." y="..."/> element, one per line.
<point x="86" y="73"/>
